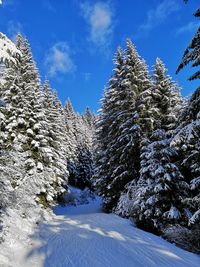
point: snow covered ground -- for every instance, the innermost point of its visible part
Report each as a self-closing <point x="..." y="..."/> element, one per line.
<point x="83" y="236"/>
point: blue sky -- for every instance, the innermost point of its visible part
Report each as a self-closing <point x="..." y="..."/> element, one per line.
<point x="73" y="41"/>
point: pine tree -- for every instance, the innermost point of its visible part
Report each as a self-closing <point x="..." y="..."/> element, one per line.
<point x="70" y="124"/>
<point x="69" y="109"/>
<point x="9" y="54"/>
<point x="84" y="167"/>
<point x="161" y="189"/>
<point x="190" y="112"/>
<point x="5" y="184"/>
<point x="187" y="135"/>
<point x="84" y="138"/>
<point x="123" y="118"/>
<point x="107" y="122"/>
<point x="11" y="162"/>
<point x="89" y="117"/>
<point x="167" y="99"/>
<point x="191" y="53"/>
<point x="69" y="117"/>
<point x="147" y="201"/>
<point x="27" y="129"/>
<point x="186" y="141"/>
<point x="56" y="136"/>
<point x="80" y="131"/>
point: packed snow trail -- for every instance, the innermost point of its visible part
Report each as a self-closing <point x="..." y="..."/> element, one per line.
<point x="83" y="236"/>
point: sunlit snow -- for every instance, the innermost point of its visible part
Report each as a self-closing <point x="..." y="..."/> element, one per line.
<point x="83" y="236"/>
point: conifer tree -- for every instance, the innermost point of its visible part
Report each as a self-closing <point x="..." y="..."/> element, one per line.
<point x="56" y="136"/>
<point x="69" y="116"/>
<point x="27" y="129"/>
<point x="70" y="124"/>
<point x="190" y="112"/>
<point x="187" y="136"/>
<point x="84" y="138"/>
<point x="80" y="131"/>
<point x="186" y="141"/>
<point x="167" y="99"/>
<point x="158" y="174"/>
<point x="83" y="167"/>
<point x="69" y="109"/>
<point x="191" y="53"/>
<point x="5" y="184"/>
<point x="89" y="117"/>
<point x="107" y="122"/>
<point x="161" y="189"/>
<point x="124" y="116"/>
<point x="9" y="54"/>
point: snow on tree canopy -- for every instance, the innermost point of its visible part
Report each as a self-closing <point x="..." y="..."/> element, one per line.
<point x="2" y="103"/>
<point x="8" y="51"/>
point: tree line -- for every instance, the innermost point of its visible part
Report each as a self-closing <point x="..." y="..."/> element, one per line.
<point x="43" y="145"/>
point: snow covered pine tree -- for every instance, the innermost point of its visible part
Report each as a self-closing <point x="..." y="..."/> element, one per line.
<point x="187" y="138"/>
<point x="123" y="117"/>
<point x="154" y="201"/>
<point x="28" y="130"/>
<point x="9" y="56"/>
<point x="80" y="130"/>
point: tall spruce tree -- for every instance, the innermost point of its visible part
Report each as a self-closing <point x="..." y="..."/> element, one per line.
<point x="122" y="119"/>
<point x="187" y="136"/>
<point x="107" y="125"/>
<point x="186" y="141"/>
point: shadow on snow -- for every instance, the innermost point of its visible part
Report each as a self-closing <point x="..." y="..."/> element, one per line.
<point x="85" y="239"/>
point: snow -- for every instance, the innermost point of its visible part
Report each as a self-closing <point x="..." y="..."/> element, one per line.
<point x="195" y="217"/>
<point x="173" y="213"/>
<point x="8" y="51"/>
<point x="83" y="236"/>
<point x="2" y="103"/>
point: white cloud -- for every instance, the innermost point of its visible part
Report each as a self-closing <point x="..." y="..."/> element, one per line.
<point x="13" y="28"/>
<point x="6" y="3"/>
<point x="158" y="15"/>
<point x="58" y="59"/>
<point x="191" y="26"/>
<point x="99" y="17"/>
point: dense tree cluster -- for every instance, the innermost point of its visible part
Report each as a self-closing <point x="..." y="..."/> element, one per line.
<point x="147" y="161"/>
<point x="141" y="153"/>
<point x="40" y="141"/>
<point x="81" y="131"/>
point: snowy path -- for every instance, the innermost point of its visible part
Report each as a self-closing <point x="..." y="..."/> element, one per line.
<point x="85" y="237"/>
